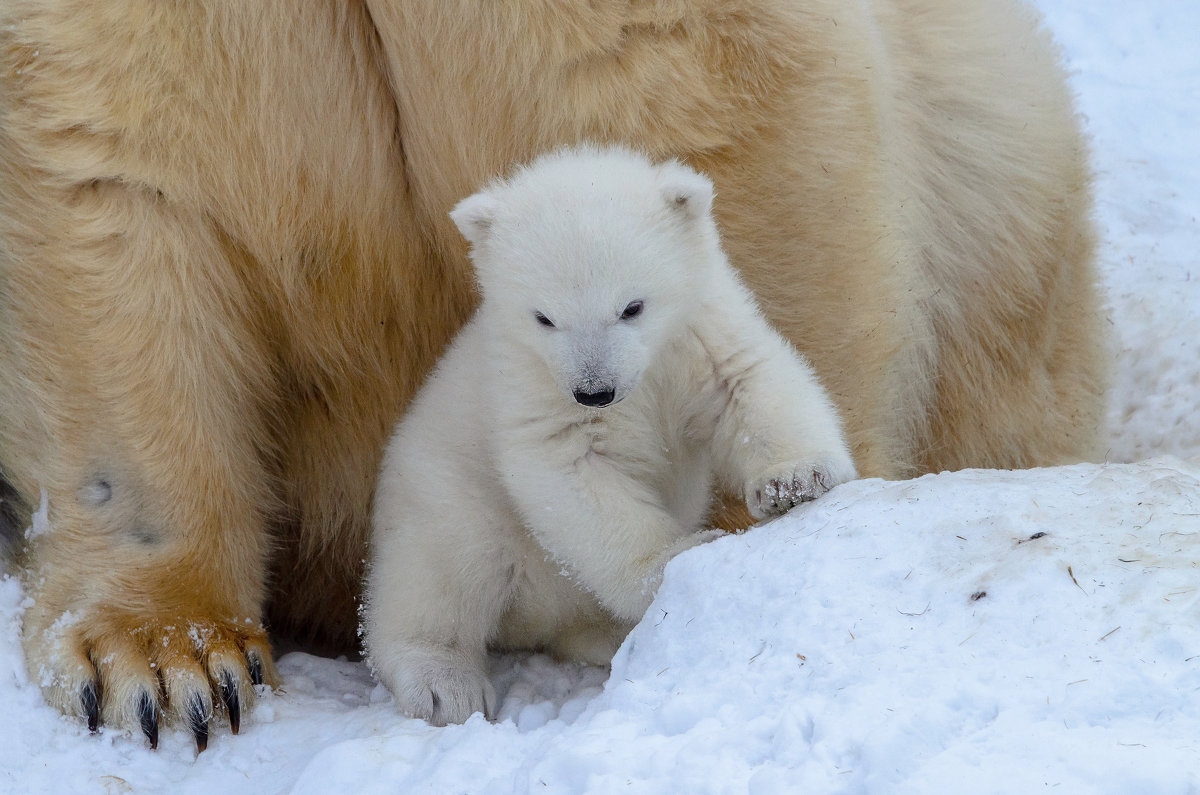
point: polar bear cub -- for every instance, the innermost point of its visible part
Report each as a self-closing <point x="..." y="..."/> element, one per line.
<point x="567" y="445"/>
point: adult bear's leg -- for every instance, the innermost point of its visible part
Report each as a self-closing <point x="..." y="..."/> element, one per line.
<point x="137" y="417"/>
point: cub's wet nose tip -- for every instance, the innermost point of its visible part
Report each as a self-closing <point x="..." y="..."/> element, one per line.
<point x="595" y="399"/>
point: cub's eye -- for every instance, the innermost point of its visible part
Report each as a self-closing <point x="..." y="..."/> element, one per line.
<point x="545" y="321"/>
<point x="633" y="310"/>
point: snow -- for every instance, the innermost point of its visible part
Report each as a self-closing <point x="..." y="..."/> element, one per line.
<point x="41" y="519"/>
<point x="977" y="631"/>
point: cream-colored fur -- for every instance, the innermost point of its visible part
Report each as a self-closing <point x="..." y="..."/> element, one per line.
<point x="901" y="181"/>
<point x="566" y="446"/>
<point x="215" y="302"/>
<point x="225" y="263"/>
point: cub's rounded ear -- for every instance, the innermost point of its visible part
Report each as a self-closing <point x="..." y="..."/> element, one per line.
<point x="474" y="216"/>
<point x="685" y="190"/>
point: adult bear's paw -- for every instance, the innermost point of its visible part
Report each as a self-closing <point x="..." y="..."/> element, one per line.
<point x="133" y="670"/>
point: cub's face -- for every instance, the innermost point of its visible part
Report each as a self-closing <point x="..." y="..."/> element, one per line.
<point x="593" y="266"/>
<point x="598" y="339"/>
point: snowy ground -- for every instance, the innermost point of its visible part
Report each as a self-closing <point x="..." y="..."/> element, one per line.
<point x="969" y="632"/>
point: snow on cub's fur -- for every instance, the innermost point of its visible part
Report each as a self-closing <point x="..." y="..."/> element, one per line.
<point x="568" y="444"/>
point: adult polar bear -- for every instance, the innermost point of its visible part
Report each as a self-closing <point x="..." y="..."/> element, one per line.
<point x="226" y="263"/>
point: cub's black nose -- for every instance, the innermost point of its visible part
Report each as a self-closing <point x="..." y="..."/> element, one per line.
<point x="595" y="399"/>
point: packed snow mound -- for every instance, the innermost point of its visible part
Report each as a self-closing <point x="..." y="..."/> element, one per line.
<point x="958" y="632"/>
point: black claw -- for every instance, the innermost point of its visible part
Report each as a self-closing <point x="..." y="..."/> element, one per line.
<point x="91" y="706"/>
<point x="256" y="668"/>
<point x="197" y="716"/>
<point x="148" y="715"/>
<point x="229" y="694"/>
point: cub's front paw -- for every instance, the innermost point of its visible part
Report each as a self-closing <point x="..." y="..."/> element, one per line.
<point x="437" y="685"/>
<point x="777" y="493"/>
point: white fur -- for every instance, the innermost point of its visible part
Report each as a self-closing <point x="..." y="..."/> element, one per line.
<point x="507" y="513"/>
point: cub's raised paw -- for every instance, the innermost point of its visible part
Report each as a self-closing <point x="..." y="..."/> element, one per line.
<point x="776" y="494"/>
<point x="438" y="686"/>
<point x="138" y="672"/>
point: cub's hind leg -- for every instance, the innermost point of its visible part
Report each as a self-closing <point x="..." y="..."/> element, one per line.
<point x="443" y="566"/>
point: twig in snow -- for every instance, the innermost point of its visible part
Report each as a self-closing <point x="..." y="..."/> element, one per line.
<point x="1077" y="585"/>
<point x="1111" y="631"/>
